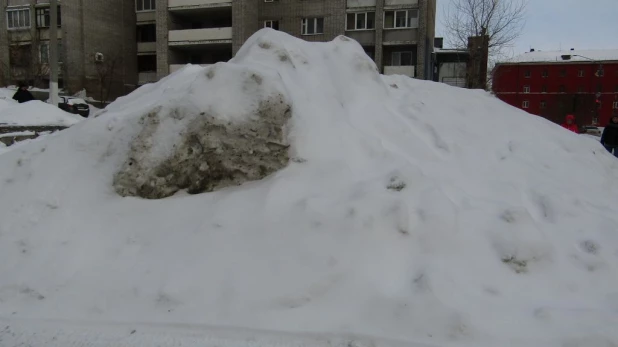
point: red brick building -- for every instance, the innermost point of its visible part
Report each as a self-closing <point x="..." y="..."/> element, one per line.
<point x="554" y="84"/>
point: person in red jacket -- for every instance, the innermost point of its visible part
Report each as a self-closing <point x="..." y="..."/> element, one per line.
<point x="569" y="124"/>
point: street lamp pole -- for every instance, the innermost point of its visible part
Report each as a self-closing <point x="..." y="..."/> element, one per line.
<point x="53" y="52"/>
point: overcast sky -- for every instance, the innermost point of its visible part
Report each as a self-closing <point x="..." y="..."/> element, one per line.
<point x="551" y="24"/>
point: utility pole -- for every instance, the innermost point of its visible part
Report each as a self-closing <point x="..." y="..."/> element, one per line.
<point x="53" y="52"/>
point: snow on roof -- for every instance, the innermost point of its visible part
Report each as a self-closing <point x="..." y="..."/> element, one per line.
<point x="35" y="113"/>
<point x="414" y="212"/>
<point x="556" y="56"/>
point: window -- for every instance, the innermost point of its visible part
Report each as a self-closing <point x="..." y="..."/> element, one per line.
<point x="21" y="55"/>
<point x="401" y="19"/>
<point x="545" y="73"/>
<point x="527" y="74"/>
<point x="544" y="89"/>
<point x="563" y="73"/>
<point x="401" y="59"/>
<point x="543" y="105"/>
<point x="145" y="5"/>
<point x="147" y="63"/>
<point x="312" y="26"/>
<point x="44" y="53"/>
<point x="580" y="73"/>
<point x="525" y="104"/>
<point x="273" y="24"/>
<point x="147" y="33"/>
<point x="615" y="105"/>
<point x="600" y="72"/>
<point x="43" y="19"/>
<point x="361" y="21"/>
<point x="527" y="89"/>
<point x="562" y="89"/>
<point x="18" y="19"/>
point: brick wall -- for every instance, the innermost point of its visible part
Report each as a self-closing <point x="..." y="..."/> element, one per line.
<point x="245" y="22"/>
<point x="163" y="24"/>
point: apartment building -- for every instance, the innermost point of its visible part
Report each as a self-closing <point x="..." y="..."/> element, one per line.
<point x="397" y="34"/>
<point x="112" y="46"/>
<point x="96" y="45"/>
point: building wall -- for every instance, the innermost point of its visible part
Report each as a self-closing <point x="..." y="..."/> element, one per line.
<point x="563" y="90"/>
<point x="244" y="22"/>
<point x="248" y="16"/>
<point x="87" y="27"/>
<point x="4" y="44"/>
<point x="106" y="27"/>
<point x="291" y="12"/>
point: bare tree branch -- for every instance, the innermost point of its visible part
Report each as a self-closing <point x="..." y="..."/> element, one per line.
<point x="503" y="20"/>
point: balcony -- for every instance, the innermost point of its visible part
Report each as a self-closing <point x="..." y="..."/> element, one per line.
<point x="400" y="3"/>
<point x="198" y="37"/>
<point x="146" y="17"/>
<point x="146" y="77"/>
<point x="356" y="4"/>
<point x="181" y="5"/>
<point x="399" y="70"/>
<point x="176" y="67"/>
<point x="146" y="47"/>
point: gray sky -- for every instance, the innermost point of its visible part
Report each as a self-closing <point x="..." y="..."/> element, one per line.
<point x="551" y="24"/>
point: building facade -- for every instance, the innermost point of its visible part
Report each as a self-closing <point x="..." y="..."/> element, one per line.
<point x="554" y="84"/>
<point x="97" y="50"/>
<point x="451" y="65"/>
<point x="112" y="46"/>
<point x="397" y="34"/>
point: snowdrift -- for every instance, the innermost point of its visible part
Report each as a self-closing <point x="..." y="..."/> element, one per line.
<point x="34" y="113"/>
<point x="410" y="211"/>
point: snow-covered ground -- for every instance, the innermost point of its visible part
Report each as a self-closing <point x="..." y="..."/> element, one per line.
<point x="411" y="214"/>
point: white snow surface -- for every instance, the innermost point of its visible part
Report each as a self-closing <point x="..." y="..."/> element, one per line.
<point x="576" y="56"/>
<point x="34" y="113"/>
<point x="504" y="231"/>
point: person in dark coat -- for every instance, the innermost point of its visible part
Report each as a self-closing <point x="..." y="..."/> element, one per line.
<point x="609" y="139"/>
<point x="23" y="94"/>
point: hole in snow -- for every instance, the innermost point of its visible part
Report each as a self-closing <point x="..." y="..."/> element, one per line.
<point x="589" y="246"/>
<point x="396" y="184"/>
<point x="518" y="265"/>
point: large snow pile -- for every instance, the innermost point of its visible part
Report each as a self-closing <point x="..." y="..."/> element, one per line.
<point x="35" y="113"/>
<point x="411" y="213"/>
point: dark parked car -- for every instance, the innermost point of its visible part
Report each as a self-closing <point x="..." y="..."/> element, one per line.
<point x="592" y="130"/>
<point x="74" y="105"/>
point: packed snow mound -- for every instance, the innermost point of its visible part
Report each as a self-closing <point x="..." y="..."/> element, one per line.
<point x="411" y="211"/>
<point x="35" y="113"/>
